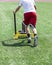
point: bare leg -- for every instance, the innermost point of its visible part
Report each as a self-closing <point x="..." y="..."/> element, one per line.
<point x="23" y="27"/>
<point x="28" y="34"/>
<point x="35" y="35"/>
<point x="33" y="29"/>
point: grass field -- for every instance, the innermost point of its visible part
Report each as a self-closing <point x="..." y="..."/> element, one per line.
<point x="11" y="51"/>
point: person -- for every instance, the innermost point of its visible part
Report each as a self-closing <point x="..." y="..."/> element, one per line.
<point x="30" y="18"/>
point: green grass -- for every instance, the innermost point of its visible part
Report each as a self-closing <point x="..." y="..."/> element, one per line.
<point x="12" y="53"/>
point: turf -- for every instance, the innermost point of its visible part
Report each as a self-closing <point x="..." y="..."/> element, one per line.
<point x="17" y="52"/>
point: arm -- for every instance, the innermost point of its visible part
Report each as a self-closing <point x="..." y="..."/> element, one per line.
<point x="35" y="6"/>
<point x="16" y="9"/>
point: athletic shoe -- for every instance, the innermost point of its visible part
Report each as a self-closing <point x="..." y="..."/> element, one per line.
<point x="29" y="40"/>
<point x="35" y="41"/>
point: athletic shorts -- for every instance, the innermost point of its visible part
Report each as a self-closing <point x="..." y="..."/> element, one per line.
<point x="30" y="18"/>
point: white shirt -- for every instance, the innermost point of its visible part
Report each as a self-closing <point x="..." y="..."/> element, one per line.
<point x="28" y="5"/>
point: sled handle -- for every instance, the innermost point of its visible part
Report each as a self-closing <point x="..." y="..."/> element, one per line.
<point x="15" y="23"/>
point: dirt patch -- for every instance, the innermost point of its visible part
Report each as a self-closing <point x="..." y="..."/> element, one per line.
<point x="17" y="0"/>
<point x="8" y="0"/>
<point x="43" y="0"/>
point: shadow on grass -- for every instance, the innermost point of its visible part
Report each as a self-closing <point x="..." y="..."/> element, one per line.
<point x="18" y="44"/>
